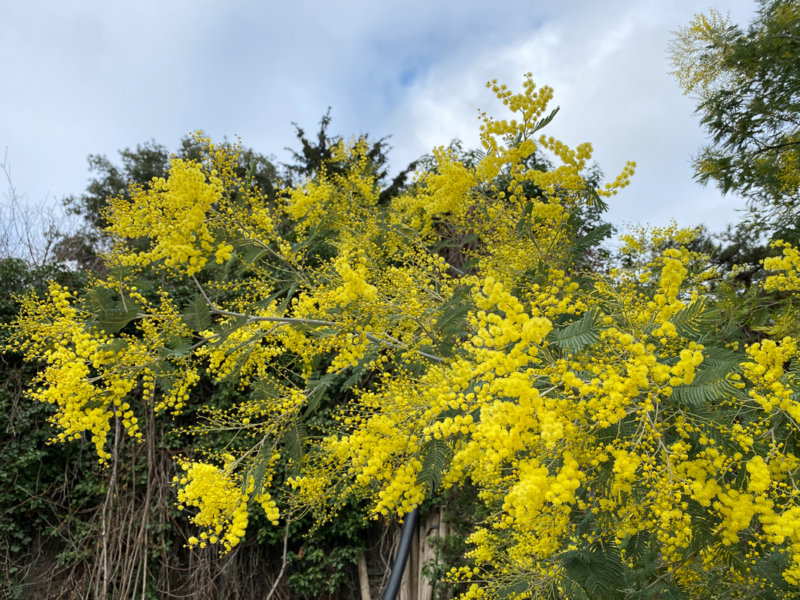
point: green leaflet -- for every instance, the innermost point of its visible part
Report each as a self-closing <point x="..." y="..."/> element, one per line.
<point x="594" y="200"/>
<point x="712" y="382"/>
<point x="545" y="121"/>
<point x="694" y="321"/>
<point x="436" y="456"/>
<point x="114" y="346"/>
<point x="591" y="239"/>
<point x="176" y="347"/>
<point x="197" y="315"/>
<point x="723" y="360"/>
<point x="636" y="545"/>
<point x="260" y="470"/>
<point x="524" y="224"/>
<point x="257" y="470"/>
<point x="457" y="243"/>
<point x="512" y="590"/>
<point x="293" y="439"/>
<point x="581" y="333"/>
<point x="594" y="572"/>
<point x="360" y="369"/>
<point x="704" y="390"/>
<point x="316" y="390"/>
<point x="266" y="388"/>
<point x="111" y="314"/>
<point x="451" y="324"/>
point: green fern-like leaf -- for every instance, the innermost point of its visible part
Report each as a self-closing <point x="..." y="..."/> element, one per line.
<point x="524" y="224"/>
<point x="361" y="369"/>
<point x="259" y="470"/>
<point x="266" y="388"/>
<point x="513" y="590"/>
<point x="545" y="121"/>
<point x="594" y="200"/>
<point x="596" y="570"/>
<point x="591" y="239"/>
<point x="636" y="545"/>
<point x="176" y="347"/>
<point x="699" y="393"/>
<point x="112" y="314"/>
<point x="197" y="314"/>
<point x="436" y="455"/>
<point x="581" y="333"/>
<point x="451" y="322"/>
<point x="294" y="437"/>
<point x="316" y="390"/>
<point x="712" y="381"/>
<point x="695" y="320"/>
<point x="723" y="358"/>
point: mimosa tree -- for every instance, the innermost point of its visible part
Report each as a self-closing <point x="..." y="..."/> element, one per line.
<point x="624" y="437"/>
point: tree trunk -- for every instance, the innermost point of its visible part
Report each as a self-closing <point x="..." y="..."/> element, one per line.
<point x="363" y="577"/>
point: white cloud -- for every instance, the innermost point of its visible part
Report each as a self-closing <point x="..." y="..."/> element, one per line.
<point x="608" y="66"/>
<point x="97" y="76"/>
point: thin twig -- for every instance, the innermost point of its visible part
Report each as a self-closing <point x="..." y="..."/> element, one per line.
<point x="387" y="341"/>
<point x="283" y="558"/>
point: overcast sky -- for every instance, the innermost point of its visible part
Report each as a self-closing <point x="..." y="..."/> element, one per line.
<point x="93" y="76"/>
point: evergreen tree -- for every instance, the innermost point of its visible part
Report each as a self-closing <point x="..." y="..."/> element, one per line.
<point x="747" y="85"/>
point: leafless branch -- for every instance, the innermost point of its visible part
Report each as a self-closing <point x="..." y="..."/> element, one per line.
<point x="28" y="230"/>
<point x="283" y="558"/>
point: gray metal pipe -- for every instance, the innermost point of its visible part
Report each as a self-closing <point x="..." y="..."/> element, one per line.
<point x="400" y="559"/>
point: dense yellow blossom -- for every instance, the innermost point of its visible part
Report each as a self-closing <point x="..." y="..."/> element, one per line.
<point x="172" y="212"/>
<point x="221" y="502"/>
<point x="786" y="268"/>
<point x="586" y="408"/>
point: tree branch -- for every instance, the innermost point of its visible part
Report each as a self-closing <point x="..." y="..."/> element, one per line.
<point x="388" y="341"/>
<point x="283" y="558"/>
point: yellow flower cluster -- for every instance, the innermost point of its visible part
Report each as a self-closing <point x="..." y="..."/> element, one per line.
<point x="86" y="394"/>
<point x="222" y="508"/>
<point x="336" y="198"/>
<point x="773" y="388"/>
<point x="172" y="213"/>
<point x="221" y="502"/>
<point x="238" y="351"/>
<point x="354" y="286"/>
<point x="673" y="274"/>
<point x="786" y="268"/>
<point x="445" y="191"/>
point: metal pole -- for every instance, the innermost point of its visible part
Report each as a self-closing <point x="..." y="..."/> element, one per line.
<point x="390" y="593"/>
